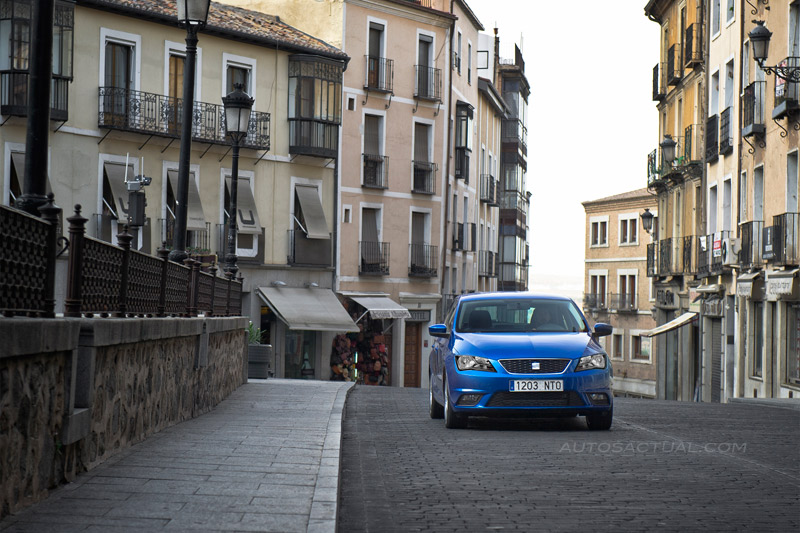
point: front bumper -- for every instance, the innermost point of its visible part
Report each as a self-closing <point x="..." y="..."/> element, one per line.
<point x="478" y="393"/>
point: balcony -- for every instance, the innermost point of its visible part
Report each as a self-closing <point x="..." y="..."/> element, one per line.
<point x="595" y="301"/>
<point x="689" y="148"/>
<point x="462" y="156"/>
<point x="197" y="241"/>
<point x="303" y="251"/>
<point x="622" y="303"/>
<point x="379" y="74"/>
<point x="674" y="65"/>
<point x="725" y="132"/>
<point x="659" y="86"/>
<point x="712" y="139"/>
<point x="316" y="138"/>
<point x="488" y="192"/>
<point x="652" y="260"/>
<point x="424" y="260"/>
<point x="785" y="243"/>
<point x="473" y="239"/>
<point x="513" y="213"/>
<point x="487" y="264"/>
<point x="689" y="255"/>
<point x="376" y="171"/>
<point x="750" y="254"/>
<point x="159" y="115"/>
<point x="424" y="177"/>
<point x="668" y="260"/>
<point x="246" y="241"/>
<point x="753" y="109"/>
<point x="693" y="45"/>
<point x="458" y="237"/>
<point x="720" y="258"/>
<point x="787" y="93"/>
<point x="704" y="243"/>
<point x="428" y="83"/>
<point x="374" y="258"/>
<point x="14" y="95"/>
<point x="514" y="131"/>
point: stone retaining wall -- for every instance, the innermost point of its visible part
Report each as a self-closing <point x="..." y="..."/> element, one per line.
<point x="75" y="391"/>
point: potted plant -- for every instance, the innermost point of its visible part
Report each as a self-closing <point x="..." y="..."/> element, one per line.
<point x="260" y="364"/>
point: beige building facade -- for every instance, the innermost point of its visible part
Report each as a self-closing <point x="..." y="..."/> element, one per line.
<point x="618" y="291"/>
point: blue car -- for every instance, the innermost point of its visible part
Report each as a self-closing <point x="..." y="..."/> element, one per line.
<point x="519" y="354"/>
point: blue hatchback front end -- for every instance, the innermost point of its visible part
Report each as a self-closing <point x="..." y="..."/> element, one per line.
<point x="519" y="355"/>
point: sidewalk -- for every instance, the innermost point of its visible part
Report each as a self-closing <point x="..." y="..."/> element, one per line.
<point x="265" y="459"/>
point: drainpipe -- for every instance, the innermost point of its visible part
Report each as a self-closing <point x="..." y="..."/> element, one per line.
<point x="445" y="249"/>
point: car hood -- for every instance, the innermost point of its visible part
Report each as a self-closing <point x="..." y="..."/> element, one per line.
<point x="514" y="345"/>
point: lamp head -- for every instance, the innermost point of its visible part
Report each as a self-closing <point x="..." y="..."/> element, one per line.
<point x="193" y="12"/>
<point x="238" y="106"/>
<point x="759" y="41"/>
<point x="647" y="220"/>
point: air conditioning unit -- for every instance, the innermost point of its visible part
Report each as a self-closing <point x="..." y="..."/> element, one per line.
<point x="730" y="251"/>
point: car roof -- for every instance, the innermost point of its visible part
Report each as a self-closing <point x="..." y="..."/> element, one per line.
<point x="511" y="295"/>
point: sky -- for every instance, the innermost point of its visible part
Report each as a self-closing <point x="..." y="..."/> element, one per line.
<point x="591" y="117"/>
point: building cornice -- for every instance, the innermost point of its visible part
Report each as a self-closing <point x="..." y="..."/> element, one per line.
<point x="407" y="10"/>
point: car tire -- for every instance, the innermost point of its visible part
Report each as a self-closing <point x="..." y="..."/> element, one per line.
<point x="451" y="419"/>
<point x="436" y="409"/>
<point x="600" y="421"/>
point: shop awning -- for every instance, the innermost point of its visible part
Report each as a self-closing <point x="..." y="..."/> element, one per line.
<point x="195" y="218"/>
<point x="248" y="221"/>
<point x="380" y="306"/>
<point x="744" y="284"/>
<point x="119" y="190"/>
<point x="314" y="216"/>
<point x="682" y="320"/>
<point x="308" y="308"/>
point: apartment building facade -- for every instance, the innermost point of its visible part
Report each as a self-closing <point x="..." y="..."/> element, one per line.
<point x="618" y="291"/>
<point x="115" y="115"/>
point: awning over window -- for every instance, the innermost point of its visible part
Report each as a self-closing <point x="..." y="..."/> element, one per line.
<point x="195" y="218"/>
<point x="744" y="283"/>
<point x="682" y="320"/>
<point x="308" y="308"/>
<point x="380" y="306"/>
<point x="119" y="191"/>
<point x="313" y="214"/>
<point x="18" y="160"/>
<point x="248" y="221"/>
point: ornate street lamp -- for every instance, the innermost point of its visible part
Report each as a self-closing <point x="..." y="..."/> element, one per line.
<point x="668" y="150"/>
<point x="192" y="15"/>
<point x="759" y="40"/>
<point x="238" y="105"/>
<point x="647" y="220"/>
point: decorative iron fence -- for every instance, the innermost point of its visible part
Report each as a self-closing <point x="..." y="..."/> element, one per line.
<point x="157" y="114"/>
<point x="689" y="256"/>
<point x="462" y="163"/>
<point x="487" y="263"/>
<point x="514" y="131"/>
<point x="659" y="90"/>
<point x="313" y="137"/>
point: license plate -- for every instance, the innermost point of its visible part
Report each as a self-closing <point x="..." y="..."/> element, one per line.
<point x="535" y="385"/>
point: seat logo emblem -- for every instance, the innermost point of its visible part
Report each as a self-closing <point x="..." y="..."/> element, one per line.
<point x="535" y="365"/>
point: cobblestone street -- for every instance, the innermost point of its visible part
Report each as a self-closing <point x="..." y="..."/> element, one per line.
<point x="664" y="465"/>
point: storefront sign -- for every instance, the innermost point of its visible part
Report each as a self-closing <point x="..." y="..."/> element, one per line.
<point x="712" y="307"/>
<point x="744" y="288"/>
<point x="419" y="315"/>
<point x="694" y="300"/>
<point x="780" y="286"/>
<point x="767" y="239"/>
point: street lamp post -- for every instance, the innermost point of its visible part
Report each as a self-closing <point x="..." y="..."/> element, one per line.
<point x="192" y="14"/>
<point x="238" y="105"/>
<point x="759" y="40"/>
<point x="647" y="220"/>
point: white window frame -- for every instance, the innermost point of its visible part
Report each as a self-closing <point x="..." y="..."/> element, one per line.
<point x="638" y="333"/>
<point x="8" y="150"/>
<point x="129" y="39"/>
<point x="381" y="137"/>
<point x="629" y="219"/>
<point x="251" y="176"/>
<point x="175" y="48"/>
<point x="613" y="350"/>
<point x="370" y="205"/>
<point x="598" y="220"/>
<point x="120" y="160"/>
<point x="431" y="142"/>
<point x="241" y="62"/>
<point x="428" y="212"/>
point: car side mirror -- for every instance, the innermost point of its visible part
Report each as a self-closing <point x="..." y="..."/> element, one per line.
<point x="602" y="330"/>
<point x="438" y="330"/>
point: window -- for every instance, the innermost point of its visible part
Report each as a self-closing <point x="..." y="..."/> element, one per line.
<point x="597" y="291"/>
<point x="757" y="357"/>
<point x="640" y="348"/>
<point x="792" y="370"/>
<point x="791" y="182"/>
<point x="469" y="63"/>
<point x="616" y="347"/>
<point x="714" y="104"/>
<point x="730" y="12"/>
<point x="712" y="209"/>
<point x="627" y="291"/>
<point x="758" y="194"/>
<point x="238" y="70"/>
<point x="457" y="61"/>
<point x="599" y="228"/>
<point x="463" y="141"/>
<point x="423" y="168"/>
<point x="347" y="214"/>
<point x="315" y="112"/>
<point x="248" y="224"/>
<point x="726" y="205"/>
<point x="715" y="14"/>
<point x="375" y="172"/>
<point x="743" y="197"/>
<point x="628" y="229"/>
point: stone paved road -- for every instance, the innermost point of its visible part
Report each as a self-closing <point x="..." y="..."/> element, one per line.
<point x="664" y="466"/>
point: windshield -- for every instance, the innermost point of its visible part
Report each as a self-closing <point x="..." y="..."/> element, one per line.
<point x="519" y="315"/>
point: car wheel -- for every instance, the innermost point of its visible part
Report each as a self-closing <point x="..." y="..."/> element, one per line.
<point x="600" y="421"/>
<point x="451" y="419"/>
<point x="435" y="408"/>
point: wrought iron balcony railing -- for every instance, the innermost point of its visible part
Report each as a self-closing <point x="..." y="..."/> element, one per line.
<point x="487" y="263"/>
<point x="428" y="83"/>
<point x="462" y="156"/>
<point x="674" y="64"/>
<point x="787" y="93"/>
<point x="689" y="255"/>
<point x="514" y="131"/>
<point x="424" y="177"/>
<point x="313" y="137"/>
<point x="379" y="74"/>
<point x="488" y="192"/>
<point x="156" y="114"/>
<point x="693" y="45"/>
<point x="659" y="87"/>
<point x="712" y="138"/>
<point x="652" y="260"/>
<point x="665" y="256"/>
<point x="376" y="171"/>
<point x="622" y="303"/>
<point x="424" y="259"/>
<point x="374" y="258"/>
<point x="787" y="234"/>
<point x="718" y="259"/>
<point x="690" y="147"/>
<point x="753" y="109"/>
<point x="704" y="244"/>
<point x="595" y="301"/>
<point x="750" y="254"/>
<point x="725" y="132"/>
<point x="458" y="237"/>
<point x="309" y="252"/>
<point x="14" y="95"/>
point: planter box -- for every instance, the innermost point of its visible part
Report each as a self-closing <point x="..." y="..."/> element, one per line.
<point x="260" y="361"/>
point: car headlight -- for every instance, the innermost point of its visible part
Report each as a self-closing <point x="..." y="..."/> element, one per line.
<point x="591" y="362"/>
<point x="471" y="362"/>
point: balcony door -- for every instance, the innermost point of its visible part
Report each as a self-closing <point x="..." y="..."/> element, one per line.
<point x="791" y="182"/>
<point x="418" y="242"/>
<point x="375" y="77"/>
<point x="176" y="67"/>
<point x="424" y="78"/>
<point x="370" y="240"/>
<point x="118" y="82"/>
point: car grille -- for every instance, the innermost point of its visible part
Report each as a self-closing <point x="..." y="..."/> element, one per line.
<point x="525" y="366"/>
<point x="535" y="399"/>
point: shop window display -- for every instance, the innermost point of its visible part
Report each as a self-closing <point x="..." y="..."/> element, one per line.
<point x="363" y="357"/>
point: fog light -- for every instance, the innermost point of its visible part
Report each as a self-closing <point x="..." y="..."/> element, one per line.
<point x="469" y="399"/>
<point x="598" y="398"/>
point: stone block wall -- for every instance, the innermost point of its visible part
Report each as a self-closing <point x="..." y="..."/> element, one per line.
<point x="75" y="391"/>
